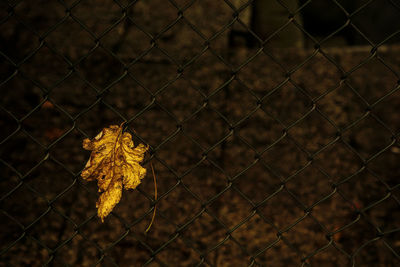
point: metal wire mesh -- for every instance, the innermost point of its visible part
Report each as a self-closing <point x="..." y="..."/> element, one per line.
<point x="264" y="154"/>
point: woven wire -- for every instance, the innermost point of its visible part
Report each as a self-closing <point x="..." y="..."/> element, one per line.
<point x="23" y="232"/>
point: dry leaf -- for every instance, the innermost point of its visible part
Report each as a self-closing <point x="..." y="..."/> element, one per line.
<point x="114" y="163"/>
<point x="47" y="105"/>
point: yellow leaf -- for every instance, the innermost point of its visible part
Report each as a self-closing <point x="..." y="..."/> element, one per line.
<point x="114" y="163"/>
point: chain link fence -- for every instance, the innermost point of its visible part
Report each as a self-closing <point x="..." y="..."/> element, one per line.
<point x="273" y="129"/>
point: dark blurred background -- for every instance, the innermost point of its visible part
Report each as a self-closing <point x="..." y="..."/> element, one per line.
<point x="273" y="129"/>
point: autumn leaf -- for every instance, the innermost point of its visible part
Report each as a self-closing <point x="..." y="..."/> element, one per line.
<point x="114" y="163"/>
<point x="47" y="105"/>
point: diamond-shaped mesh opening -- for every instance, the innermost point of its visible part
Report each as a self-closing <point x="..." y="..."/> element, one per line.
<point x="46" y="125"/>
<point x="156" y="125"/>
<point x="336" y="211"/>
<point x="97" y="18"/>
<point x="26" y="245"/>
<point x="259" y="130"/>
<point x="45" y="67"/>
<point x="7" y="119"/>
<point x="306" y="193"/>
<point x="361" y="139"/>
<point x="205" y="241"/>
<point x="237" y="155"/>
<point x="85" y="252"/>
<point x="203" y="77"/>
<point x="98" y="111"/>
<point x="164" y="9"/>
<point x="358" y="229"/>
<point x="77" y="202"/>
<point x="30" y="97"/>
<point x="205" y="131"/>
<point x="100" y="57"/>
<point x="381" y="219"/>
<point x="137" y="211"/>
<point x="388" y="159"/>
<point x="310" y="75"/>
<point x="234" y="211"/>
<point x="181" y="99"/>
<point x="142" y="252"/>
<point x="390" y="62"/>
<point x="38" y="19"/>
<point x="17" y="35"/>
<point x="175" y="153"/>
<point x="383" y="251"/>
<point x="255" y="235"/>
<point x="13" y="151"/>
<point x="68" y="160"/>
<point x="52" y="230"/>
<point x="342" y="105"/>
<point x="206" y="180"/>
<point x="24" y="205"/>
<point x="308" y="240"/>
<point x="323" y="256"/>
<point x="154" y="70"/>
<point x="338" y="161"/>
<point x="323" y="132"/>
<point x="68" y="33"/>
<point x="217" y="12"/>
<point x="166" y="183"/>
<point x="287" y="253"/>
<point x="8" y="71"/>
<point x="294" y="98"/>
<point x="384" y="109"/>
<point x="153" y="241"/>
<point x="382" y="31"/>
<point x="272" y="128"/>
<point x="285" y="158"/>
<point x="122" y="40"/>
<point x="10" y="180"/>
<point x="191" y="41"/>
<point x="11" y="237"/>
<point x="73" y="95"/>
<point x="179" y="252"/>
<point x="273" y="213"/>
<point x="234" y="102"/>
<point x="260" y="175"/>
<point x="364" y="181"/>
<point x="386" y="75"/>
<point x="102" y="242"/>
<point x="180" y="201"/>
<point x="227" y="253"/>
<point x="127" y="97"/>
<point x="49" y="179"/>
<point x="272" y="73"/>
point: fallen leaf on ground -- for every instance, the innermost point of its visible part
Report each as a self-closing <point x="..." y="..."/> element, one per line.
<point x="47" y="105"/>
<point x="114" y="163"/>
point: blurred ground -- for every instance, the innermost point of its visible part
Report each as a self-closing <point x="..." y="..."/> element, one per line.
<point x="281" y="157"/>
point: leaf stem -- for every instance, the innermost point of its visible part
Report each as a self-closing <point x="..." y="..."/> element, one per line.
<point x="155" y="198"/>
